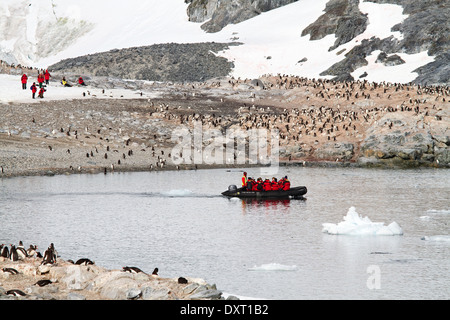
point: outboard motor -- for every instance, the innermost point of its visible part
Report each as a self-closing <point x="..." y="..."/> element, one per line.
<point x="232" y="188"/>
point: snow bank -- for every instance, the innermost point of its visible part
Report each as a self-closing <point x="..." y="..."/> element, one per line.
<point x="12" y="91"/>
<point x="355" y="224"/>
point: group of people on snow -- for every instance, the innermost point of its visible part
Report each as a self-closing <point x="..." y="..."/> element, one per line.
<point x="43" y="77"/>
<point x="259" y="184"/>
<point x="43" y="80"/>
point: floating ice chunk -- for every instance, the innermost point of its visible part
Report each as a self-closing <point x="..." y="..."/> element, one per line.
<point x="273" y="267"/>
<point x="437" y="212"/>
<point x="444" y="238"/>
<point x="355" y="224"/>
<point x="391" y="230"/>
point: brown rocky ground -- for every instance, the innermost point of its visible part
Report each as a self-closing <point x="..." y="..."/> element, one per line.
<point x="356" y="123"/>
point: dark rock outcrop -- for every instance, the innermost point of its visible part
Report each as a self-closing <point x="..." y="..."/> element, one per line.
<point x="425" y="29"/>
<point x="221" y="13"/>
<point x="161" y="62"/>
<point x="342" y="18"/>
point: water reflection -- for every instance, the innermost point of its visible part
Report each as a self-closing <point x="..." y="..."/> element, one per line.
<point x="267" y="206"/>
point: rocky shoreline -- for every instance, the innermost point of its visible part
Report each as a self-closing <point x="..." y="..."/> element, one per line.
<point x="320" y="123"/>
<point x="31" y="278"/>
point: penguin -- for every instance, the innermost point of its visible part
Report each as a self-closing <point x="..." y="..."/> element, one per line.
<point x="84" y="261"/>
<point x="4" y="251"/>
<point x="31" y="251"/>
<point x="22" y="253"/>
<point x="43" y="283"/>
<point x="55" y="253"/>
<point x="15" y="292"/>
<point x="155" y="272"/>
<point x="182" y="280"/>
<point x="13" y="255"/>
<point x="49" y="255"/>
<point x="132" y="269"/>
<point x="10" y="270"/>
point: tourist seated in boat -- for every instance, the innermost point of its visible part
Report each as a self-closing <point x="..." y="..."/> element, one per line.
<point x="267" y="186"/>
<point x="275" y="185"/>
<point x="250" y="183"/>
<point x="259" y="185"/>
<point x="286" y="184"/>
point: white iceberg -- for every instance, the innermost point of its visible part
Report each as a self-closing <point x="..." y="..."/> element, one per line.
<point x="355" y="224"/>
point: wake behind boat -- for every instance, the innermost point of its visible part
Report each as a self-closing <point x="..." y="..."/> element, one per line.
<point x="292" y="193"/>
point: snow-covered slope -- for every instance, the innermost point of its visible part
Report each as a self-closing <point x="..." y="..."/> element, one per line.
<point x="43" y="32"/>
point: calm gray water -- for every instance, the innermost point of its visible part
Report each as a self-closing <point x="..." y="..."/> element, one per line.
<point x="178" y="222"/>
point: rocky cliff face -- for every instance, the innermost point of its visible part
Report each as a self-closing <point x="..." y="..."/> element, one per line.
<point x="161" y="62"/>
<point x="221" y="13"/>
<point x="342" y="18"/>
<point x="425" y="29"/>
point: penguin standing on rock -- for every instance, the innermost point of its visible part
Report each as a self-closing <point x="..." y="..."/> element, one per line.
<point x="4" y="251"/>
<point x="21" y="251"/>
<point x="13" y="255"/>
<point x="49" y="255"/>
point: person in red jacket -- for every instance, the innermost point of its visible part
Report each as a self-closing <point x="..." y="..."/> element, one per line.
<point x="275" y="185"/>
<point x="33" y="89"/>
<point x="24" y="81"/>
<point x="47" y="77"/>
<point x="81" y="81"/>
<point x="259" y="185"/>
<point x="267" y="186"/>
<point x="286" y="184"/>
<point x="41" y="80"/>
<point x="41" y="93"/>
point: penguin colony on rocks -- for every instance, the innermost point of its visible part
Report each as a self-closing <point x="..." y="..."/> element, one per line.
<point x="324" y="110"/>
<point x="18" y="253"/>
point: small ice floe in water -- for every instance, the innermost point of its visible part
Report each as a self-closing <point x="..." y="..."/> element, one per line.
<point x="438" y="212"/>
<point x="177" y="193"/>
<point x="354" y="224"/>
<point x="443" y="238"/>
<point x="273" y="267"/>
